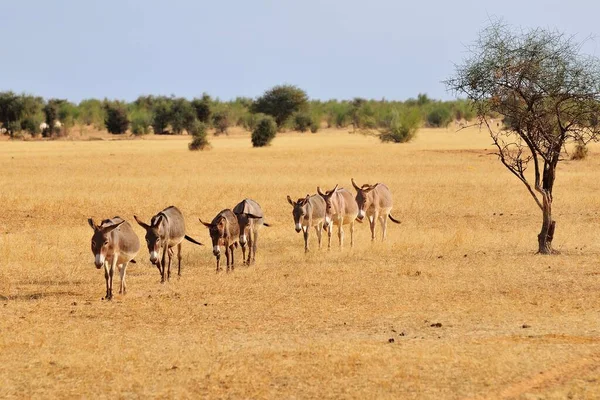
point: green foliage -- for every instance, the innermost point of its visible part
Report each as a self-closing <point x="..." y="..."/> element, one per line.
<point x="141" y="121"/>
<point x="183" y="115"/>
<point x="439" y="116"/>
<point x="91" y="112"/>
<point x="199" y="133"/>
<point x="403" y="126"/>
<point x="116" y="120"/>
<point x="314" y="127"/>
<point x="302" y="121"/>
<point x="202" y="108"/>
<point x="281" y="102"/>
<point x="162" y="115"/>
<point x="265" y="132"/>
<point x="221" y="121"/>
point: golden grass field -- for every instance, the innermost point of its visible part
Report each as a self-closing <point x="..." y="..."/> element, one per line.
<point x="295" y="325"/>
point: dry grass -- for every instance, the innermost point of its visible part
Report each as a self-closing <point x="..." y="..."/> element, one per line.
<point x="296" y="325"/>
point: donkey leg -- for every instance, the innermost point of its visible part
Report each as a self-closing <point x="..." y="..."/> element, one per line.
<point x="329" y="237"/>
<point x="372" y="219"/>
<point x="352" y="233"/>
<point x="170" y="251"/>
<point x="305" y="233"/>
<point x="227" y="256"/>
<point x="162" y="265"/>
<point x="319" y="229"/>
<point x="123" y="271"/>
<point x="384" y="220"/>
<point x="111" y="273"/>
<point x="218" y="257"/>
<point x="254" y="246"/>
<point x="341" y="234"/>
<point x="106" y="278"/>
<point x="179" y="260"/>
<point x="232" y="247"/>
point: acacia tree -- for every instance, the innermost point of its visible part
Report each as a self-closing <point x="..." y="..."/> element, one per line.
<point x="281" y="102"/>
<point x="548" y="93"/>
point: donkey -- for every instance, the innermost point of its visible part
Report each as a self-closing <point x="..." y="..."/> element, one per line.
<point x="374" y="201"/>
<point x="114" y="243"/>
<point x="250" y="219"/>
<point x="341" y="209"/>
<point x="165" y="231"/>
<point x="224" y="231"/>
<point x="307" y="212"/>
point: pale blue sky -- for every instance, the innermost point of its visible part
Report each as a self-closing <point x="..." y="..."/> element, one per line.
<point x="78" y="49"/>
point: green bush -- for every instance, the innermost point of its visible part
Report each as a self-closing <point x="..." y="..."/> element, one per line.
<point x="141" y="120"/>
<point x="265" y="132"/>
<point x="116" y="121"/>
<point x="314" y="127"/>
<point x="161" y="109"/>
<point x="302" y="122"/>
<point x="91" y="112"/>
<point x="199" y="133"/>
<point x="183" y="115"/>
<point x="281" y="102"/>
<point x="439" y="116"/>
<point x="202" y="107"/>
<point x="221" y="121"/>
<point x="403" y="126"/>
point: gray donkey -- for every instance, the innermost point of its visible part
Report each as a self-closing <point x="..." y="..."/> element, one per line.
<point x="307" y="212"/>
<point x="114" y="243"/>
<point x="165" y="231"/>
<point x="250" y="219"/>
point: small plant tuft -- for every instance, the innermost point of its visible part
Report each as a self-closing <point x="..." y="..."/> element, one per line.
<point x="265" y="131"/>
<point x="198" y="132"/>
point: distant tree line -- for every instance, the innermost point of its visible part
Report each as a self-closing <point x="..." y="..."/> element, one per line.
<point x="286" y="105"/>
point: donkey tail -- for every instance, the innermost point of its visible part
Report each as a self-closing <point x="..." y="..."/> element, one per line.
<point x="394" y="219"/>
<point x="189" y="239"/>
<point x="265" y="224"/>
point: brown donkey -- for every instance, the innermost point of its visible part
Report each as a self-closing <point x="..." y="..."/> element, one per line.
<point x="374" y="201"/>
<point x="250" y="219"/>
<point x="165" y="231"/>
<point x="307" y="212"/>
<point x="114" y="243"/>
<point x="341" y="209"/>
<point x="224" y="231"/>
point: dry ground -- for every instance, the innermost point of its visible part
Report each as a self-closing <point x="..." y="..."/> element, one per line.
<point x="513" y="324"/>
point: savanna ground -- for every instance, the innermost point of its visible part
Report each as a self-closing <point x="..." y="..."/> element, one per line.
<point x="513" y="324"/>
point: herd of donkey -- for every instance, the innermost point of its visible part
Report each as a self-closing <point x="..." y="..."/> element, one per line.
<point x="115" y="244"/>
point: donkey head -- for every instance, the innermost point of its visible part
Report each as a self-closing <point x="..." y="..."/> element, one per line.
<point x="101" y="241"/>
<point x="299" y="211"/>
<point x="153" y="236"/>
<point x="218" y="231"/>
<point x="328" y="204"/>
<point x="364" y="197"/>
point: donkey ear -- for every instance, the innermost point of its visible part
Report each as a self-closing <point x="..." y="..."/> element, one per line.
<point x="111" y="228"/>
<point x="92" y="224"/>
<point x="140" y="223"/>
<point x="205" y="224"/>
<point x="289" y="199"/>
<point x="319" y="191"/>
<point x="355" y="185"/>
<point x="335" y="188"/>
<point x="158" y="221"/>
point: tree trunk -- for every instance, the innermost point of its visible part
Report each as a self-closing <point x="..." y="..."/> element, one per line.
<point x="548" y="225"/>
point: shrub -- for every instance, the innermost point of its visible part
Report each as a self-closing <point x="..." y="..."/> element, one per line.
<point x="440" y="116"/>
<point x="314" y="127"/>
<point x="161" y="109"/>
<point x="116" y="120"/>
<point x="91" y="112"/>
<point x="302" y="122"/>
<point x="183" y="115"/>
<point x="221" y="121"/>
<point x="281" y="102"/>
<point x="265" y="131"/>
<point x="202" y="108"/>
<point x="250" y="121"/>
<point x="31" y="125"/>
<point x="141" y="119"/>
<point x="403" y="126"/>
<point x="199" y="141"/>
